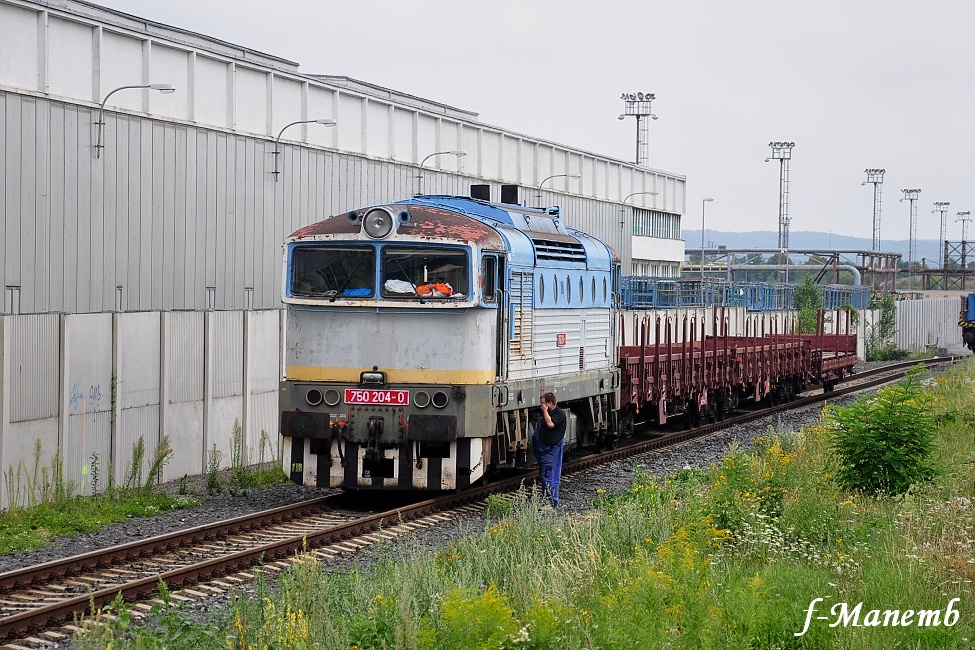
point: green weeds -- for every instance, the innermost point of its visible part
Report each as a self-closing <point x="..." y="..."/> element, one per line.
<point x="44" y="504"/>
<point x="723" y="557"/>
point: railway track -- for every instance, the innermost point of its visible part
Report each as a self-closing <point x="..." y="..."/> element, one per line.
<point x="39" y="597"/>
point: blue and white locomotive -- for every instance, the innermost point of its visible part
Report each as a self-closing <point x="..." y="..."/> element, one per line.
<point x="421" y="332"/>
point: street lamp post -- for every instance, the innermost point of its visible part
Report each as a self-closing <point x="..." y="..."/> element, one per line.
<point x="704" y="202"/>
<point x="548" y="178"/>
<point x="623" y="213"/>
<point x="163" y="88"/>
<point x="277" y="140"/>
<point x="627" y="198"/>
<point x="459" y="153"/>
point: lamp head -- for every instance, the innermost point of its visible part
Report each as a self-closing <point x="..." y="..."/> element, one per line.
<point x="163" y="88"/>
<point x="458" y="153"/>
<point x="326" y="122"/>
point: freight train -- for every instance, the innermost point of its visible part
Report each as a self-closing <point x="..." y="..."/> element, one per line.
<point x="421" y="333"/>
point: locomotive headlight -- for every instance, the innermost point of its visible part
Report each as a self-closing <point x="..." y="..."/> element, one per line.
<point x="377" y="223"/>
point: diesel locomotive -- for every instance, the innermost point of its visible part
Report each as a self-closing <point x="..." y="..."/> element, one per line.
<point x="421" y="332"/>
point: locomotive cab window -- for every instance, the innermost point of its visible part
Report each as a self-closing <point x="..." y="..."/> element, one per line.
<point x="429" y="273"/>
<point x="489" y="277"/>
<point x="333" y="271"/>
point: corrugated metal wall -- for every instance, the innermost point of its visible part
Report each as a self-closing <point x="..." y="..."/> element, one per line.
<point x="179" y="217"/>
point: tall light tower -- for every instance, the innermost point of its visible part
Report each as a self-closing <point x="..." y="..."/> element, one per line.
<point x="964" y="217"/>
<point x="782" y="151"/>
<point x="876" y="177"/>
<point x="942" y="207"/>
<point x="911" y="195"/>
<point x="638" y="105"/>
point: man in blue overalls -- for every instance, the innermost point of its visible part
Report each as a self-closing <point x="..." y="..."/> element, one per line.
<point x="548" y="447"/>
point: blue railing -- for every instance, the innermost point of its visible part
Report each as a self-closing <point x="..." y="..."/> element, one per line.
<point x="644" y="292"/>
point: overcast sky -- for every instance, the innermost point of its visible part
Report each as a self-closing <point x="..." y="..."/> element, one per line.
<point x="855" y="84"/>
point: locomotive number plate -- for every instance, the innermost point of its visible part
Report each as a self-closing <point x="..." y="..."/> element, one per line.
<point x="370" y="396"/>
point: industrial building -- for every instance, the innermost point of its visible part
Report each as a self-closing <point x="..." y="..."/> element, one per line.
<point x="122" y="197"/>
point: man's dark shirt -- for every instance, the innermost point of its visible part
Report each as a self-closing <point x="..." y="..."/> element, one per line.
<point x="554" y="435"/>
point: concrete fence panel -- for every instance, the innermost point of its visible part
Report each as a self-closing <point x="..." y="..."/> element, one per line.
<point x="138" y="376"/>
<point x="225" y="380"/>
<point x="182" y="405"/>
<point x="264" y="335"/>
<point x="30" y="366"/>
<point x="86" y="414"/>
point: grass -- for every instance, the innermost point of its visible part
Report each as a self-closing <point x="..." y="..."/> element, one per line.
<point x="44" y="505"/>
<point x="27" y="529"/>
<point x="723" y="557"/>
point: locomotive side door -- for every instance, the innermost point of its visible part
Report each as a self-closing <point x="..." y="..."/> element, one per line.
<point x="492" y="291"/>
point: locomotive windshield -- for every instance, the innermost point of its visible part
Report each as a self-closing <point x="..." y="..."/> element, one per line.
<point x="347" y="271"/>
<point x="406" y="272"/>
<point x="424" y="272"/>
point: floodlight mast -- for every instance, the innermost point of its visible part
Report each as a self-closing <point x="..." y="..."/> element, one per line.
<point x="964" y="217"/>
<point x="876" y="178"/>
<point x="782" y="151"/>
<point x="911" y="195"/>
<point x="638" y="105"/>
<point x="942" y="207"/>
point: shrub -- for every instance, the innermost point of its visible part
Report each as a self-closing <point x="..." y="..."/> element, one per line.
<point x="887" y="352"/>
<point x="885" y="444"/>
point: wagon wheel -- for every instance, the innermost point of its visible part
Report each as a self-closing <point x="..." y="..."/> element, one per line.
<point x="626" y="425"/>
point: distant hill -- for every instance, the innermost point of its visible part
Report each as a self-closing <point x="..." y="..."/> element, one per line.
<point x="926" y="248"/>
